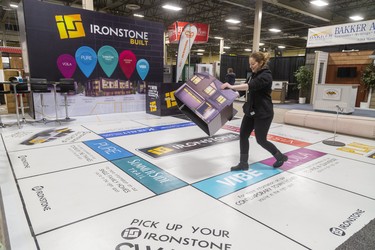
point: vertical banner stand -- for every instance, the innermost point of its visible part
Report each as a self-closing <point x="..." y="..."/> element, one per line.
<point x="334" y="142"/>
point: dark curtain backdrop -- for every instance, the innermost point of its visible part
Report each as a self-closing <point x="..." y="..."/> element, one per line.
<point x="282" y="68"/>
<point x="240" y="65"/>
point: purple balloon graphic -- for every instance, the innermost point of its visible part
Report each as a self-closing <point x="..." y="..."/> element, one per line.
<point x="67" y="65"/>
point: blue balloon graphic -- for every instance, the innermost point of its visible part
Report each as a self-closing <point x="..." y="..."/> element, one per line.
<point x="142" y="68"/>
<point x="108" y="59"/>
<point x="86" y="59"/>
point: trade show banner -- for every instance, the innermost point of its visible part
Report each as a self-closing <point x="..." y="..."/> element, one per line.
<point x="175" y="30"/>
<point x="187" y="38"/>
<point x="106" y="55"/>
<point x="349" y="33"/>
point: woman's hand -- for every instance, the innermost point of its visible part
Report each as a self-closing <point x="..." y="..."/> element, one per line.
<point x="226" y="86"/>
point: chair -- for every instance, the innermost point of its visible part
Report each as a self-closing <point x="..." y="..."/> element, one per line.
<point x="40" y="86"/>
<point x="65" y="87"/>
<point x="3" y="92"/>
<point x="20" y="87"/>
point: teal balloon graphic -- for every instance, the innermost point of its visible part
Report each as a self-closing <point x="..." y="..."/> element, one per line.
<point x="86" y="59"/>
<point x="142" y="68"/>
<point x="108" y="59"/>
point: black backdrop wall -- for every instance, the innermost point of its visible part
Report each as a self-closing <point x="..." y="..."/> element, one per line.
<point x="282" y="68"/>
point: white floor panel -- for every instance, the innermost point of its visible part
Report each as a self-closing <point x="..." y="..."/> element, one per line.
<point x="58" y="199"/>
<point x="342" y="173"/>
<point x="114" y="126"/>
<point x="298" y="135"/>
<point x="304" y="210"/>
<point x="355" y="148"/>
<point x="50" y="159"/>
<point x="140" y="181"/>
<point x="42" y="137"/>
<point x="186" y="216"/>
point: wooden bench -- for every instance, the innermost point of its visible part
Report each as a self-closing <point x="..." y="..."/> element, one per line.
<point x="346" y="124"/>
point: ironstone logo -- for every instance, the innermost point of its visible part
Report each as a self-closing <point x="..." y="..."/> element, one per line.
<point x="188" y="145"/>
<point x="340" y="230"/>
<point x="337" y="231"/>
<point x="131" y="233"/>
<point x="70" y="26"/>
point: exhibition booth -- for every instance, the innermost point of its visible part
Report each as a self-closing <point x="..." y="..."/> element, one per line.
<point x="110" y="59"/>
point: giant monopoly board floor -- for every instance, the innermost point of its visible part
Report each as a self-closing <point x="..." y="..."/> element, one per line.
<point x="144" y="182"/>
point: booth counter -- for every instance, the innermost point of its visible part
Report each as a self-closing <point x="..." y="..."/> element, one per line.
<point x="328" y="97"/>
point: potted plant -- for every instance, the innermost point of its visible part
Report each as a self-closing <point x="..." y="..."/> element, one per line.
<point x="368" y="80"/>
<point x="304" y="77"/>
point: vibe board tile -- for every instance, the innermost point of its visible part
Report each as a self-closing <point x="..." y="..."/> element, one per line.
<point x="50" y="159"/>
<point x="61" y="198"/>
<point x="186" y="215"/>
<point x="37" y="138"/>
<point x="317" y="215"/>
<point x="355" y="148"/>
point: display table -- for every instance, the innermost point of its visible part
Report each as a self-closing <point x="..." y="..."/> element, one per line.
<point x="328" y="96"/>
<point x="160" y="98"/>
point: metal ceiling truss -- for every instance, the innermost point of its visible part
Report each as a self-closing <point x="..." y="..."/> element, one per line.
<point x="293" y="17"/>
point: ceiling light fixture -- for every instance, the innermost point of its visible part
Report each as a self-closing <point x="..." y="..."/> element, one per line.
<point x="281" y="47"/>
<point x="261" y="44"/>
<point x="13" y="5"/>
<point x="319" y="3"/>
<point x="274" y="30"/>
<point x="248" y="50"/>
<point x="356" y="18"/>
<point x="234" y="21"/>
<point x="138" y="15"/>
<point x="132" y="6"/>
<point x="226" y="47"/>
<point x="218" y="37"/>
<point x="172" y="7"/>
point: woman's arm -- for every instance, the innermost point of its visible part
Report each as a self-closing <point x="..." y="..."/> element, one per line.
<point x="238" y="87"/>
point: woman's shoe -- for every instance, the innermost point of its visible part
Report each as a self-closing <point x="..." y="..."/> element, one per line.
<point x="280" y="159"/>
<point x="240" y="167"/>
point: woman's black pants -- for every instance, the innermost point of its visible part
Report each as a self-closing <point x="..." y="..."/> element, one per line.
<point x="261" y="127"/>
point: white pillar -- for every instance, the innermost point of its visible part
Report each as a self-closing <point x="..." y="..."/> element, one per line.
<point x="88" y="4"/>
<point x="221" y="47"/>
<point x="257" y="24"/>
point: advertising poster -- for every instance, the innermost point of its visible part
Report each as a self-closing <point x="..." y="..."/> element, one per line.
<point x="108" y="56"/>
<point x="348" y="33"/>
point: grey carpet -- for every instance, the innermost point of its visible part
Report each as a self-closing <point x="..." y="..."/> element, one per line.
<point x="362" y="240"/>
